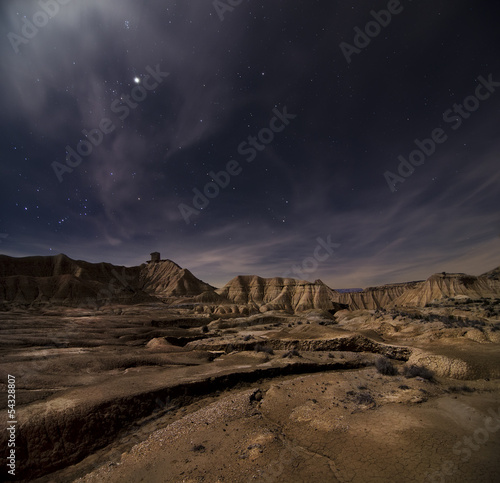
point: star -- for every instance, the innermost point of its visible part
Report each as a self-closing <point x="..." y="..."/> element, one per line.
<point x="137" y="80"/>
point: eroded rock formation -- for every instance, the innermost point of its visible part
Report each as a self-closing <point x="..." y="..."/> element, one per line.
<point x="279" y="294"/>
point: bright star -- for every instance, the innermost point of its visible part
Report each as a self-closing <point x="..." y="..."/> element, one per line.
<point x="137" y="80"/>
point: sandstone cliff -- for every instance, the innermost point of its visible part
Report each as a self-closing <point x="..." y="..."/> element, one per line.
<point x="373" y="298"/>
<point x="59" y="280"/>
<point x="441" y="285"/>
<point x="167" y="279"/>
<point x="279" y="294"/>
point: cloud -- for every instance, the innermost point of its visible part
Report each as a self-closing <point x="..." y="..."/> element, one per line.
<point x="322" y="176"/>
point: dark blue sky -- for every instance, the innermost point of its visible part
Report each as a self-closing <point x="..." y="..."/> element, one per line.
<point x="314" y="201"/>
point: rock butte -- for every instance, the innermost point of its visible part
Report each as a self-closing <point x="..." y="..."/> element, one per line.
<point x="59" y="280"/>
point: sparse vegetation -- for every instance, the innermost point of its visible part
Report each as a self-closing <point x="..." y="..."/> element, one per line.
<point x="410" y="371"/>
<point x="291" y="353"/>
<point x="384" y="366"/>
<point x="365" y="398"/>
<point x="362" y="398"/>
<point x="264" y="348"/>
<point x="450" y="320"/>
<point x="463" y="388"/>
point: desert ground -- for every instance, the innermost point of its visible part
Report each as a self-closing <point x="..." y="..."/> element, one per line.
<point x="171" y="391"/>
<point x="139" y="396"/>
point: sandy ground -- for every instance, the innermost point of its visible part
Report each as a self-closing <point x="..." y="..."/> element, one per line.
<point x="149" y="394"/>
<point x="314" y="429"/>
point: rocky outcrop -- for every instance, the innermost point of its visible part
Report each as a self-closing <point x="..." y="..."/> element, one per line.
<point x="442" y="285"/>
<point x="350" y="343"/>
<point x="453" y="367"/>
<point x="167" y="279"/>
<point x="374" y="298"/>
<point x="418" y="294"/>
<point x="279" y="294"/>
<point x="59" y="280"/>
<point x="63" y="281"/>
<point x="492" y="274"/>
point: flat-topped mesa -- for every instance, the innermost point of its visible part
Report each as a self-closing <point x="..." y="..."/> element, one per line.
<point x="442" y="285"/>
<point x="59" y="280"/>
<point x="51" y="266"/>
<point x="418" y="294"/>
<point x="375" y="298"/>
<point x="279" y="294"/>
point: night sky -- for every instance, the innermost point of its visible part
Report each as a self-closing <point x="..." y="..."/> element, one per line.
<point x="172" y="93"/>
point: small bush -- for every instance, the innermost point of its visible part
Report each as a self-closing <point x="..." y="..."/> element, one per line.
<point x="263" y="348"/>
<point x="204" y="329"/>
<point x="417" y="371"/>
<point x="404" y="387"/>
<point x="364" y="398"/>
<point x="461" y="389"/>
<point x="247" y="338"/>
<point x="384" y="366"/>
<point x="292" y="353"/>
